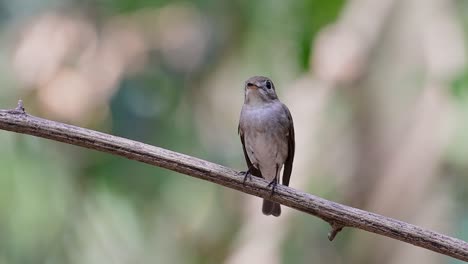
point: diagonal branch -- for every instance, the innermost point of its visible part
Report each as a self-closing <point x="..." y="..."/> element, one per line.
<point x="336" y="214"/>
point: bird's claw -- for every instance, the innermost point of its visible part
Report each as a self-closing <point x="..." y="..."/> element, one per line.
<point x="247" y="175"/>
<point x="272" y="183"/>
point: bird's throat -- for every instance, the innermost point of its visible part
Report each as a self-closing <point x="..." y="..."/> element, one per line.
<point x="253" y="97"/>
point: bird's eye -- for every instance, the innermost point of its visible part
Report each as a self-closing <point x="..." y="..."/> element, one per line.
<point x="268" y="84"/>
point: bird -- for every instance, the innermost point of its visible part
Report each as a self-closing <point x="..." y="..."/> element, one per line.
<point x="266" y="132"/>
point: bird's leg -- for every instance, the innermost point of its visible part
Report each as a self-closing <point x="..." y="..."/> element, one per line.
<point x="274" y="182"/>
<point x="247" y="174"/>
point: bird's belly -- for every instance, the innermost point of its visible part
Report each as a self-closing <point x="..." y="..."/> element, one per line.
<point x="267" y="151"/>
<point x="265" y="131"/>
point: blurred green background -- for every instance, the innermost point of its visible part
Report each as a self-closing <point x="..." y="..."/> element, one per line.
<point x="378" y="91"/>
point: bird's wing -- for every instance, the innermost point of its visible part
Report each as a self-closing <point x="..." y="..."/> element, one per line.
<point x="254" y="171"/>
<point x="291" y="147"/>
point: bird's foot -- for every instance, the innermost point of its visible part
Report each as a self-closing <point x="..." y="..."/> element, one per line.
<point x="247" y="175"/>
<point x="272" y="184"/>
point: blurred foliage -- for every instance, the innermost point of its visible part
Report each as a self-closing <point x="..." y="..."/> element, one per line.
<point x="140" y="69"/>
<point x="315" y="14"/>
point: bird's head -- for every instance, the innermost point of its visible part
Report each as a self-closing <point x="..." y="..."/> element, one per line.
<point x="259" y="90"/>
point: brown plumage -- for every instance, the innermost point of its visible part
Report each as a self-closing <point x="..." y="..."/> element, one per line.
<point x="267" y="134"/>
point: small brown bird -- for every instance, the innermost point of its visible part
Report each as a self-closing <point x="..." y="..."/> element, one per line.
<point x="267" y="134"/>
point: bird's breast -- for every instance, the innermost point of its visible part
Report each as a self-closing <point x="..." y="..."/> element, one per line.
<point x="265" y="130"/>
<point x="263" y="118"/>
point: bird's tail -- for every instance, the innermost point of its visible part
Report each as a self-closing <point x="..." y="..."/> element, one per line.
<point x="271" y="208"/>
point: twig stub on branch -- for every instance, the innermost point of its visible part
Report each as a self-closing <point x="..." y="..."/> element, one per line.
<point x="19" y="108"/>
<point x="336" y="228"/>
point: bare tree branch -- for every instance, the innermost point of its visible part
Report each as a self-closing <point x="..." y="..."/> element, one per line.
<point x="338" y="215"/>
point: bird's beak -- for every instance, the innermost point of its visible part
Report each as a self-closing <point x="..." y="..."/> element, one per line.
<point x="252" y="86"/>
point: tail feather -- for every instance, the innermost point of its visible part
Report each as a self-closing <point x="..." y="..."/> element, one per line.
<point x="271" y="208"/>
